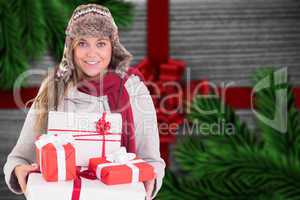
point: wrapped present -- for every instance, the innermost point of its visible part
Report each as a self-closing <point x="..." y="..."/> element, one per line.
<point x="56" y="157"/>
<point x="121" y="168"/>
<point x="82" y="188"/>
<point x="93" y="132"/>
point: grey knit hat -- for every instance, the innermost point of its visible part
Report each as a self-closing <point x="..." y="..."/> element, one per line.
<point x="96" y="21"/>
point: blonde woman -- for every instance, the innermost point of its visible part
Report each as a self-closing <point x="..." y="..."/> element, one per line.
<point x="93" y="76"/>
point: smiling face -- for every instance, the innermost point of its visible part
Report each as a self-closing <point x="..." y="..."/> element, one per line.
<point x="92" y="55"/>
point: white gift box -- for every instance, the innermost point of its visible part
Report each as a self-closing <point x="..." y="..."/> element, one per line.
<point x="38" y="189"/>
<point x="82" y="126"/>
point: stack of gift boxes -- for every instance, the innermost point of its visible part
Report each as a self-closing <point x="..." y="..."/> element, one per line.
<point x="81" y="158"/>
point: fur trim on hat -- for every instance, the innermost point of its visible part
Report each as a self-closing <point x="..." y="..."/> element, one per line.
<point x="94" y="21"/>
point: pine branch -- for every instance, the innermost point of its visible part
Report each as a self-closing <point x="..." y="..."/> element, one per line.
<point x="216" y="188"/>
<point x="243" y="172"/>
<point x="123" y="12"/>
<point x="32" y="26"/>
<point x="12" y="59"/>
<point x="239" y="134"/>
<point x="55" y="14"/>
<point x="245" y="164"/>
<point x="175" y="187"/>
<point x="288" y="143"/>
<point x="186" y="151"/>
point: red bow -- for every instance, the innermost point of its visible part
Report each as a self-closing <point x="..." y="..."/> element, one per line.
<point x="102" y="125"/>
<point x="102" y="128"/>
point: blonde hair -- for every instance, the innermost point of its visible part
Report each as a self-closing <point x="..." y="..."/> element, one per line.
<point x="51" y="93"/>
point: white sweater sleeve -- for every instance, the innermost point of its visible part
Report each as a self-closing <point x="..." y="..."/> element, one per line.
<point x="22" y="153"/>
<point x="24" y="150"/>
<point x="146" y="130"/>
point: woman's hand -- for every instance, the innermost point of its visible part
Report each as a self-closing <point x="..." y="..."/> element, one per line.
<point x="22" y="171"/>
<point x="149" y="186"/>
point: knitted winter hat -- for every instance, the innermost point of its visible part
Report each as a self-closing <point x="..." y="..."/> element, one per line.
<point x="95" y="21"/>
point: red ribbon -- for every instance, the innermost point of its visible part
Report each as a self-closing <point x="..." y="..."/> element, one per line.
<point x="79" y="131"/>
<point x="102" y="128"/>
<point x="77" y="181"/>
<point x="88" y="174"/>
<point x="163" y="117"/>
<point x="172" y="70"/>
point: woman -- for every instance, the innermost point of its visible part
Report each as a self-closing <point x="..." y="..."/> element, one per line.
<point x="93" y="76"/>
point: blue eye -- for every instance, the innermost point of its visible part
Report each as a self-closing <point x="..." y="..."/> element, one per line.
<point x="82" y="44"/>
<point x="101" y="44"/>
